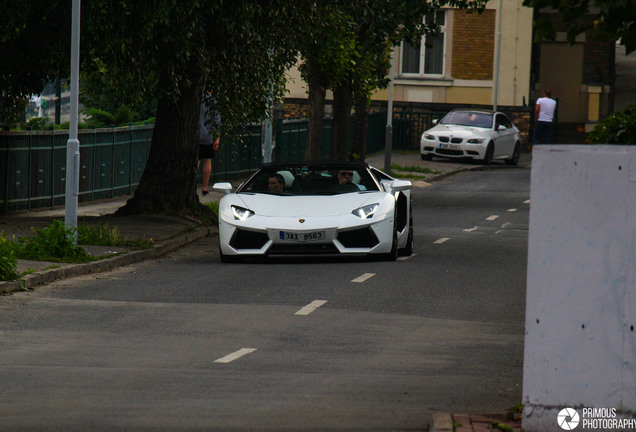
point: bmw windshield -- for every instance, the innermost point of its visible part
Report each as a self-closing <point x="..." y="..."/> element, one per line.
<point x="468" y="118"/>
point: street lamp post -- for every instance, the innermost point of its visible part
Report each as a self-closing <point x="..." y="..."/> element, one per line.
<point x="73" y="144"/>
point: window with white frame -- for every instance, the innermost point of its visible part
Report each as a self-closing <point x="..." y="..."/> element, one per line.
<point x="426" y="58"/>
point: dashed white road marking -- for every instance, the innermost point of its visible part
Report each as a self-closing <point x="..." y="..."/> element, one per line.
<point x="235" y="355"/>
<point x="470" y="229"/>
<point x="512" y="210"/>
<point x="442" y="240"/>
<point x="306" y="310"/>
<point x="404" y="258"/>
<point x="492" y="218"/>
<point x="363" y="277"/>
<point x="526" y="202"/>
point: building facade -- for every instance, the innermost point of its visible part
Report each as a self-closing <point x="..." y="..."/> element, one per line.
<point x="458" y="65"/>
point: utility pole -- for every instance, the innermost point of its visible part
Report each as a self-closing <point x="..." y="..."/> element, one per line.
<point x="495" y="88"/>
<point x="388" y="137"/>
<point x="73" y="144"/>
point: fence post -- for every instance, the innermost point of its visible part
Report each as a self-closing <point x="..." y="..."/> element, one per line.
<point x="112" y="162"/>
<point x="29" y="172"/>
<point x="6" y="180"/>
<point x="94" y="154"/>
<point x="130" y="153"/>
<point x="52" y="172"/>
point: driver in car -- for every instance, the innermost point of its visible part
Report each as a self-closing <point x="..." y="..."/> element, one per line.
<point x="345" y="181"/>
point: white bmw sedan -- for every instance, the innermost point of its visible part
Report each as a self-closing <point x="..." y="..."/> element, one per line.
<point x="480" y="135"/>
<point x="316" y="208"/>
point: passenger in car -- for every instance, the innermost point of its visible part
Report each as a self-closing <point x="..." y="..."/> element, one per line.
<point x="276" y="183"/>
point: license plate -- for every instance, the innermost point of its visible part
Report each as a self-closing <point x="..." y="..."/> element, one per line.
<point x="302" y="236"/>
<point x="451" y="146"/>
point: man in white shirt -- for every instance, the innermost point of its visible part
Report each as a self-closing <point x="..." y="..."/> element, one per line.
<point x="543" y="114"/>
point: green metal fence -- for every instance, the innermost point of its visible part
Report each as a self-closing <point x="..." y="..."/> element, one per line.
<point x="291" y="137"/>
<point x="239" y="155"/>
<point x="33" y="163"/>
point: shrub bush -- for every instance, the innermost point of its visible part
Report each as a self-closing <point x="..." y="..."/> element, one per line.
<point x="8" y="260"/>
<point x="619" y="128"/>
<point x="53" y="243"/>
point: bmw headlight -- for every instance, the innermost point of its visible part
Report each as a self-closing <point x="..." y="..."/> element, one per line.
<point x="366" y="212"/>
<point x="241" y="213"/>
<point x="429" y="137"/>
<point x="475" y="141"/>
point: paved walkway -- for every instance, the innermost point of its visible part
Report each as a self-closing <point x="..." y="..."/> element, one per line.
<point x="444" y="422"/>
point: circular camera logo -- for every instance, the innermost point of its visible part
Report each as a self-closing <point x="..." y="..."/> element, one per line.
<point x="568" y="418"/>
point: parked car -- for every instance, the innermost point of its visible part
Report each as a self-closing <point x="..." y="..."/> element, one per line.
<point x="316" y="208"/>
<point x="476" y="134"/>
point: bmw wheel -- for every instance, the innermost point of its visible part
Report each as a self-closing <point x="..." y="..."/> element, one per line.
<point x="490" y="151"/>
<point x="514" y="159"/>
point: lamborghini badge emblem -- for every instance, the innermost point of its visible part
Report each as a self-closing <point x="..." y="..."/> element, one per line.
<point x="301" y="220"/>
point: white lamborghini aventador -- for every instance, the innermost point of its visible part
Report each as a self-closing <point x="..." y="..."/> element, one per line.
<point x="316" y="208"/>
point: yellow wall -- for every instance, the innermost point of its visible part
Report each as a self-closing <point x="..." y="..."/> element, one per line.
<point x="469" y="95"/>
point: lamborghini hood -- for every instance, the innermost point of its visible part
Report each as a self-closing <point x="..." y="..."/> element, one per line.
<point x="305" y="205"/>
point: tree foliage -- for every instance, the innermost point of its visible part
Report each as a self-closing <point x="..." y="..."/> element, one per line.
<point x="615" y="19"/>
<point x="351" y="55"/>
<point x="167" y="50"/>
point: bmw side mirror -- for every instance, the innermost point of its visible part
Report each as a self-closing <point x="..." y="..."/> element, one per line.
<point x="224" y="188"/>
<point x="501" y="128"/>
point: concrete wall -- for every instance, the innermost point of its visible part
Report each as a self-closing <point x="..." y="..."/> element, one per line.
<point x="580" y="346"/>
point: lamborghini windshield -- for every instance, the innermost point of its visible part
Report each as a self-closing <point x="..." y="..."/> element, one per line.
<point x="310" y="180"/>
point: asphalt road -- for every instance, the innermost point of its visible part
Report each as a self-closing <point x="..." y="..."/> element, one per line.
<point x="188" y="343"/>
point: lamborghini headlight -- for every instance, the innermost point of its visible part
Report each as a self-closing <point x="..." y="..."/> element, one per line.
<point x="366" y="212"/>
<point x="241" y="213"/>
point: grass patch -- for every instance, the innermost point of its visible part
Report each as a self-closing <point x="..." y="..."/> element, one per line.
<point x="56" y="243"/>
<point x="214" y="206"/>
<point x="103" y="235"/>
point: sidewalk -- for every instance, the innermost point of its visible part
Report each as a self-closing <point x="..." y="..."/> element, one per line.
<point x="444" y="422"/>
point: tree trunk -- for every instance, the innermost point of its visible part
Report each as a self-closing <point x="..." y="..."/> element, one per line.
<point x="342" y="99"/>
<point x="317" y="92"/>
<point x="361" y="127"/>
<point x="168" y="184"/>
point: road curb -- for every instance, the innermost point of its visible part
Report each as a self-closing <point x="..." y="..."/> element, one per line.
<point x="72" y="270"/>
<point x="442" y="422"/>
